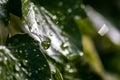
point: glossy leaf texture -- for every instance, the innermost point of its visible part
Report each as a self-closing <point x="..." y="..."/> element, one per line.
<point x="28" y="53"/>
<point x="59" y="37"/>
<point x="10" y="67"/>
<point x="40" y="23"/>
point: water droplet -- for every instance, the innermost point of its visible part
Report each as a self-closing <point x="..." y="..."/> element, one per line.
<point x="77" y="17"/>
<point x="46" y="42"/>
<point x="54" y="17"/>
<point x="25" y="62"/>
<point x="20" y="51"/>
<point x="60" y="3"/>
<point x="57" y="22"/>
<point x="5" y="58"/>
<point x="5" y="62"/>
<point x="81" y="53"/>
<point x="44" y="65"/>
<point x="70" y="69"/>
<point x="62" y="27"/>
<point x="39" y="69"/>
<point x="50" y="79"/>
<point x="42" y="68"/>
<point x="16" y="50"/>
<point x="36" y="71"/>
<point x="17" y="68"/>
<point x="29" y="74"/>
<point x="64" y="46"/>
<point x="34" y="50"/>
<point x="38" y="21"/>
<point x="37" y="55"/>
<point x="23" y="44"/>
<point x="50" y="34"/>
<point x="82" y="6"/>
<point x="25" y="50"/>
<point x="69" y="10"/>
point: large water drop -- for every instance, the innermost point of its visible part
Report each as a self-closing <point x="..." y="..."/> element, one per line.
<point x="45" y="42"/>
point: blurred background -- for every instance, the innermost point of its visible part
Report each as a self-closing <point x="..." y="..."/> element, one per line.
<point x="106" y="12"/>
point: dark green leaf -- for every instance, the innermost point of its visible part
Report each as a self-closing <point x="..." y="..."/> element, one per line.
<point x="10" y="68"/>
<point x="27" y="51"/>
<point x="14" y="7"/>
<point x="57" y="75"/>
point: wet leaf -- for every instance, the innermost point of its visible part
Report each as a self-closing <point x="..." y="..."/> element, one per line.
<point x="58" y="25"/>
<point x="27" y="51"/>
<point x="10" y="68"/>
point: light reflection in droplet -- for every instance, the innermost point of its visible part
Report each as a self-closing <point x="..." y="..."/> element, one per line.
<point x="34" y="50"/>
<point x="17" y="68"/>
<point x="77" y="17"/>
<point x="60" y="3"/>
<point x="54" y="17"/>
<point x="81" y="53"/>
<point x="69" y="10"/>
<point x="20" y="51"/>
<point x="45" y="42"/>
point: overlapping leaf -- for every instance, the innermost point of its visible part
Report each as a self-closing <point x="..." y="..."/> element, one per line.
<point x="27" y="51"/>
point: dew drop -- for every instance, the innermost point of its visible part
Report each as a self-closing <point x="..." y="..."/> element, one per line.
<point x="69" y="10"/>
<point x="54" y="17"/>
<point x="37" y="55"/>
<point x="44" y="65"/>
<point x="42" y="68"/>
<point x="16" y="50"/>
<point x="25" y="62"/>
<point x="39" y="69"/>
<point x="36" y="71"/>
<point x="45" y="43"/>
<point x="64" y="46"/>
<point x="25" y="50"/>
<point x="5" y="58"/>
<point x="17" y="68"/>
<point x="34" y="50"/>
<point x="50" y="34"/>
<point x="29" y="74"/>
<point x="50" y="79"/>
<point x="23" y="44"/>
<point x="20" y="51"/>
<point x="81" y="53"/>
<point x="60" y="3"/>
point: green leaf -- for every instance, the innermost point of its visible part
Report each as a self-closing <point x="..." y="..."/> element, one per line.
<point x="39" y="22"/>
<point x="57" y="75"/>
<point x="54" y="24"/>
<point x="27" y="51"/>
<point x="10" y="68"/>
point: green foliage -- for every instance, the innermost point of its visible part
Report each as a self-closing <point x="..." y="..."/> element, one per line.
<point x="45" y="41"/>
